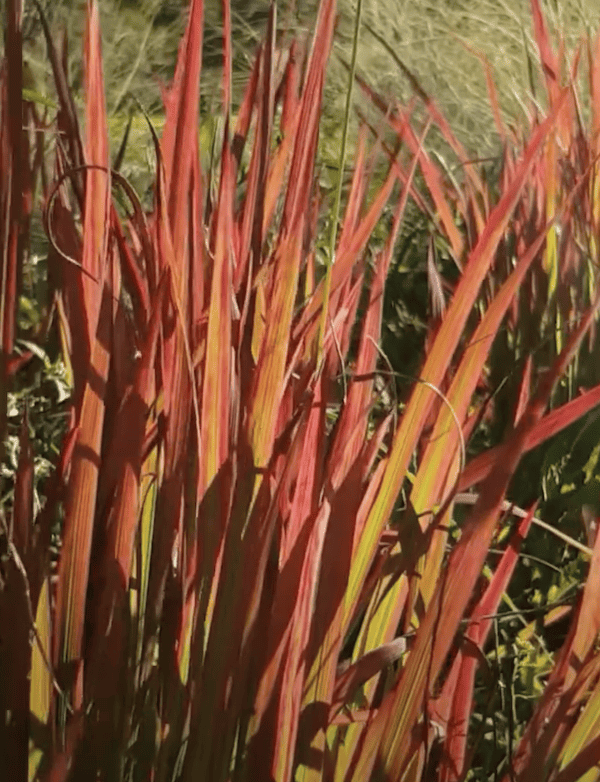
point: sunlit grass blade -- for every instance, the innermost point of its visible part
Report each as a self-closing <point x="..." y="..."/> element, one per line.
<point x="548" y="730"/>
<point x="344" y="460"/>
<point x="294" y="598"/>
<point x="179" y="138"/>
<point x="452" y="709"/>
<point x="252" y="236"/>
<point x="436" y="364"/>
<point x="81" y="499"/>
<point x="218" y="382"/>
<point x="390" y="730"/>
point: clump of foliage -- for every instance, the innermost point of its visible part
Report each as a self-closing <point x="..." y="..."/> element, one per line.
<point x="239" y="594"/>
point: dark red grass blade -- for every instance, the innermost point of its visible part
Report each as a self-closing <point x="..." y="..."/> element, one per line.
<point x="452" y="710"/>
<point x="13" y="191"/>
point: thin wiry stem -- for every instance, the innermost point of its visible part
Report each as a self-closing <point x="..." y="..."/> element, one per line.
<point x="338" y="194"/>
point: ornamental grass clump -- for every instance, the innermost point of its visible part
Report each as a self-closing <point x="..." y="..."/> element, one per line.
<point x="261" y="575"/>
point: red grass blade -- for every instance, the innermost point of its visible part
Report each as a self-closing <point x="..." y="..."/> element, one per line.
<point x="436" y="364"/>
<point x="551" y="424"/>
<point x="80" y="510"/>
<point x="452" y="710"/>
<point x="180" y="138"/>
<point x="391" y="729"/>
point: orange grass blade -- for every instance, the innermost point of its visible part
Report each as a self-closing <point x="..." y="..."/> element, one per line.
<point x="388" y="736"/>
<point x="581" y="751"/>
<point x="430" y="172"/>
<point x="436" y="365"/>
<point x="97" y="191"/>
<point x="295" y="594"/>
<point x="550" y="62"/>
<point x="268" y="378"/>
<point x="290" y="118"/>
<point x="107" y="657"/>
<point x="267" y="388"/>
<point x="81" y="500"/>
<point x="127" y="452"/>
<point x="217" y="403"/>
<point x="179" y="140"/>
<point x="452" y="710"/>
<point x="549" y="732"/>
<point x="348" y="255"/>
<point x="551" y="424"/>
<point x="586" y="760"/>
<point x="440" y="465"/>
<point x="80" y="510"/>
<point x="252" y="236"/>
<point x="343" y="462"/>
